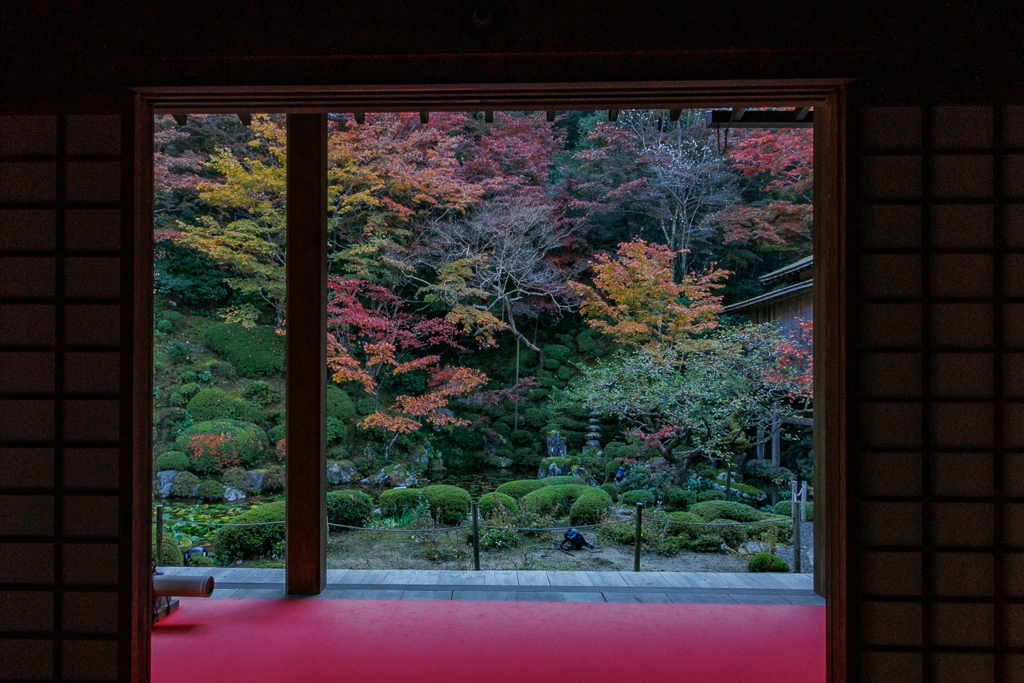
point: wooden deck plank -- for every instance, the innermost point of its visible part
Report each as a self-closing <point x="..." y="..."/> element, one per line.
<point x="370" y="594"/>
<point x="815" y="600"/>
<point x="748" y="599"/>
<point x="606" y="579"/>
<point x="685" y="580"/>
<point x="374" y="576"/>
<point x="260" y="593"/>
<point x="412" y="577"/>
<point x="617" y="596"/>
<point x="759" y="580"/>
<point x="645" y="579"/>
<point x="684" y="598"/>
<point x="499" y="596"/>
<point x="532" y="578"/>
<point x="722" y="580"/>
<point x="448" y="577"/>
<point x="654" y="597"/>
<point x="573" y="596"/>
<point x="569" y="579"/>
<point x="501" y="577"/>
<point x="336" y="575"/>
<point x="427" y="595"/>
<point x="223" y="592"/>
<point x="540" y="596"/>
<point x="798" y="581"/>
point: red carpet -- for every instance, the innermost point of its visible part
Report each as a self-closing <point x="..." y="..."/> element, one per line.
<point x="350" y="641"/>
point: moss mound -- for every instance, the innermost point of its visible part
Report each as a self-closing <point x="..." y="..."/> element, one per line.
<point x="238" y="478"/>
<point x="589" y="506"/>
<point x="519" y="488"/>
<point x="555" y="500"/>
<point x="172" y="460"/>
<point x="396" y="502"/>
<point x="489" y="503"/>
<point x="766" y="562"/>
<point x="349" y="507"/>
<point x="631" y="498"/>
<point x="248" y="542"/>
<point x="557" y="481"/>
<point x="611" y="491"/>
<point x="211" y="490"/>
<point x="183" y="485"/>
<point x="216" y="444"/>
<point x="720" y="509"/>
<point x="785" y="509"/>
<point x="253" y="351"/>
<point x="449" y="505"/>
<point x="216" y="404"/>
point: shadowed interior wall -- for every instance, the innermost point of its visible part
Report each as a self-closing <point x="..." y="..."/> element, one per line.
<point x="935" y="290"/>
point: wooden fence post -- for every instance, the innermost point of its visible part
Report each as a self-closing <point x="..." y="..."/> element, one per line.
<point x="476" y="538"/>
<point x="795" y="514"/>
<point x="159" y="535"/>
<point x="638" y="543"/>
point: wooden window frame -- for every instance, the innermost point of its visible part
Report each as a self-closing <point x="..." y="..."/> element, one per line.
<point x="306" y="570"/>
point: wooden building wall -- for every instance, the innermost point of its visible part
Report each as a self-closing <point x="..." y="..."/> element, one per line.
<point x="935" y="162"/>
<point x="787" y="312"/>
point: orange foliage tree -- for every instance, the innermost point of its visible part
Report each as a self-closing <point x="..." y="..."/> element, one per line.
<point x="636" y="301"/>
<point x="372" y="340"/>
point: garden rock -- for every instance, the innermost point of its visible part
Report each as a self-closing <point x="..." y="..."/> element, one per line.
<point x="395" y="475"/>
<point x="231" y="494"/>
<point x="164" y="481"/>
<point x="341" y="472"/>
<point x="255" y="480"/>
<point x="581" y="472"/>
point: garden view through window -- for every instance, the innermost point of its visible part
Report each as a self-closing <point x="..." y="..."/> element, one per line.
<point x="556" y="318"/>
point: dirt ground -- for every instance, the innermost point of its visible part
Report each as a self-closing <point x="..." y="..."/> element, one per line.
<point x="379" y="550"/>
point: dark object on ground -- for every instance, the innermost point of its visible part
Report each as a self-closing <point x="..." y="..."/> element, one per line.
<point x="574" y="541"/>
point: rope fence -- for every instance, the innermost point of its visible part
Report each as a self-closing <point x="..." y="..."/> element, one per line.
<point x="637" y="517"/>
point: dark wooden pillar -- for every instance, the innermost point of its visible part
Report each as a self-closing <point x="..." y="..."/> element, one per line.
<point x="306" y="559"/>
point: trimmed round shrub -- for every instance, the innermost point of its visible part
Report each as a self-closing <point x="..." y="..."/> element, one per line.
<point x="555" y="352"/>
<point x="349" y="507"/>
<point x="222" y="369"/>
<point x="558" y="481"/>
<point x="785" y="509"/>
<point x="249" y="542"/>
<point x="215" y="404"/>
<point x="489" y="503"/>
<point x="535" y="417"/>
<point x="552" y="500"/>
<point x="564" y="373"/>
<point x="720" y="509"/>
<point x="172" y="316"/>
<point x="617" y="449"/>
<point x="631" y="498"/>
<point x="449" y="505"/>
<point x="273" y="479"/>
<point x="706" y="543"/>
<point x="183" y="485"/>
<point x="263" y="393"/>
<point x="277" y="433"/>
<point x="519" y="488"/>
<point x="733" y="535"/>
<point x="679" y="498"/>
<point x="172" y="556"/>
<point x="237" y="478"/>
<point x="216" y="444"/>
<point x="165" y="326"/>
<point x="589" y="506"/>
<point x="187" y="376"/>
<point x="198" y="560"/>
<point x="396" y="502"/>
<point x="611" y="491"/>
<point x="172" y="460"/>
<point x="522" y="437"/>
<point x="253" y="351"/>
<point x="210" y="490"/>
<point x="766" y="562"/>
<point x="710" y="494"/>
<point x="339" y="404"/>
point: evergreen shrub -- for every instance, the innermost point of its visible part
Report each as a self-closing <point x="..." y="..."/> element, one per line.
<point x="766" y="562"/>
<point x="396" y="502"/>
<point x="172" y="556"/>
<point x="252" y="351"/>
<point x="183" y="485"/>
<point x="273" y="479"/>
<point x="489" y="503"/>
<point x="552" y="500"/>
<point x="211" y="490"/>
<point x="226" y="443"/>
<point x="589" y="506"/>
<point x="275" y="434"/>
<point x="738" y="512"/>
<point x="785" y="509"/>
<point x="339" y="404"/>
<point x="249" y="542"/>
<point x="710" y="495"/>
<point x="198" y="560"/>
<point x="349" y="507"/>
<point x="564" y="479"/>
<point x="165" y="326"/>
<point x="631" y="498"/>
<point x="611" y="491"/>
<point x="449" y="505"/>
<point x="237" y="478"/>
<point x="172" y="460"/>
<point x="263" y="393"/>
<point x="216" y="404"/>
<point x="556" y="352"/>
<point x="679" y="498"/>
<point x="519" y="488"/>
